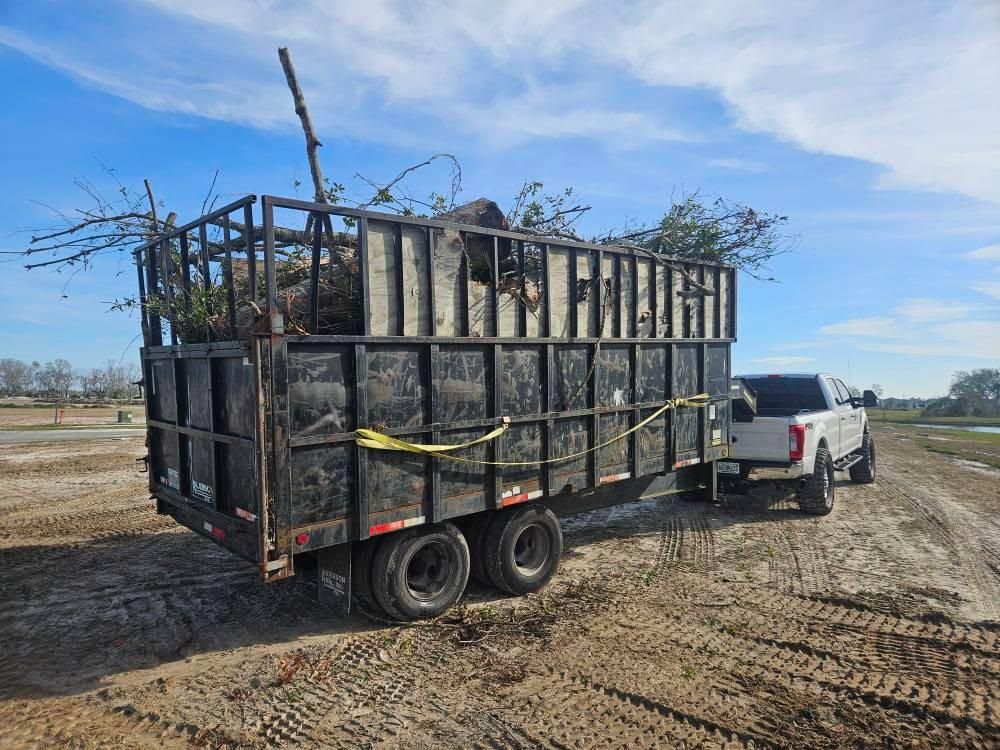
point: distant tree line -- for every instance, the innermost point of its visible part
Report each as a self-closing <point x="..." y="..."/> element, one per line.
<point x="973" y="393"/>
<point x="57" y="379"/>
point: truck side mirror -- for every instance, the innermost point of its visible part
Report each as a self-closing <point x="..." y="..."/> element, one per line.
<point x="869" y="399"/>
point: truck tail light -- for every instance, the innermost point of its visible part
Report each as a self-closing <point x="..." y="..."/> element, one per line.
<point x="796" y="441"/>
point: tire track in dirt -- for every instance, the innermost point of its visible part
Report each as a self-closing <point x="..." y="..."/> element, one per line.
<point x="803" y="667"/>
<point x="945" y="524"/>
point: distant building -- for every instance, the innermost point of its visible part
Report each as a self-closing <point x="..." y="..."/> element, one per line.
<point x="905" y="404"/>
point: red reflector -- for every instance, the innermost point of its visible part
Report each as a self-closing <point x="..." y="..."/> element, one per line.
<point x="218" y="533"/>
<point x="301" y="539"/>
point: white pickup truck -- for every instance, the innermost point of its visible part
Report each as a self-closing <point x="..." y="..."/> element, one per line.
<point x="805" y="427"/>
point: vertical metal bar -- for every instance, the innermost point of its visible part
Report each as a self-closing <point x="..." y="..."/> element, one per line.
<point x="317" y="251"/>
<point x="156" y="329"/>
<point x="635" y="354"/>
<point x="431" y="280"/>
<point x="270" y="285"/>
<point x="522" y="308"/>
<point x="186" y="271"/>
<point x="397" y="247"/>
<point x="616" y="272"/>
<point x="496" y="286"/>
<point x="574" y="305"/>
<point x="732" y="303"/>
<point x="168" y="296"/>
<point x="465" y="325"/>
<point x="433" y="364"/>
<point x="654" y="297"/>
<point x="685" y="306"/>
<point x="546" y="292"/>
<point x="702" y="306"/>
<point x="598" y="292"/>
<point x="360" y="454"/>
<point x="497" y="412"/>
<point x="595" y="426"/>
<point x="250" y="244"/>
<point x="703" y="413"/>
<point x="548" y="470"/>
<point x="669" y="303"/>
<point x="206" y="274"/>
<point x="366" y="323"/>
<point x="634" y="302"/>
<point x="717" y="303"/>
<point x="282" y="448"/>
<point x="671" y="413"/>
<point x="227" y="271"/>
<point x="142" y="298"/>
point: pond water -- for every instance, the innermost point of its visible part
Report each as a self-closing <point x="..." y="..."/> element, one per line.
<point x="967" y="428"/>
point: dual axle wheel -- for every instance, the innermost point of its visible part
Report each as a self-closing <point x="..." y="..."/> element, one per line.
<point x="423" y="571"/>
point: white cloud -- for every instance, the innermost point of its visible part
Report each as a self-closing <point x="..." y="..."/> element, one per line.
<point x="874" y="327"/>
<point x="990" y="252"/>
<point x="823" y="76"/>
<point x="781" y="362"/>
<point x="989" y="288"/>
<point x="926" y="327"/>
<point x="923" y="310"/>
<point x="739" y="165"/>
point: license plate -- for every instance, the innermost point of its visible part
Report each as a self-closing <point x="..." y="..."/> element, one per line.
<point x="728" y="467"/>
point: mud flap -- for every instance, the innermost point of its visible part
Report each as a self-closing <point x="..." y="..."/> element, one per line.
<point x="334" y="577"/>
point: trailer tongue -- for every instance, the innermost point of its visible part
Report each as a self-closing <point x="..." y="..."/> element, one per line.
<point x="476" y="381"/>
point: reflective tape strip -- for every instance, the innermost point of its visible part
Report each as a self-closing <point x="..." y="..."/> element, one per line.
<point x="214" y="530"/>
<point x="616" y="477"/>
<point x="246" y="515"/>
<point x="383" y="528"/>
<point x="521" y="498"/>
<point x="689" y="462"/>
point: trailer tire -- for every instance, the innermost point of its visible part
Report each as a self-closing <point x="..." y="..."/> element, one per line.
<point x="475" y="529"/>
<point x="362" y="557"/>
<point x="816" y="496"/>
<point x="522" y="548"/>
<point x="420" y="572"/>
<point x="863" y="472"/>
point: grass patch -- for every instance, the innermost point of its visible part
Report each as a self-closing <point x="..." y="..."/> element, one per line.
<point x="904" y="416"/>
<point x="42" y="427"/>
<point x="983" y="447"/>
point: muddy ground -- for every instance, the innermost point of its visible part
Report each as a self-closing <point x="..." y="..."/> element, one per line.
<point x="671" y="623"/>
<point x="72" y="416"/>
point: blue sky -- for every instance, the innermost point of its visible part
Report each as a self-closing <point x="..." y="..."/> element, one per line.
<point x="874" y="130"/>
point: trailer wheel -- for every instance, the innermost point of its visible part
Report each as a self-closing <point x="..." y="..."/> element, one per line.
<point x="361" y="570"/>
<point x="817" y="494"/>
<point x="420" y="572"/>
<point x="863" y="472"/>
<point x="475" y="529"/>
<point x="522" y="548"/>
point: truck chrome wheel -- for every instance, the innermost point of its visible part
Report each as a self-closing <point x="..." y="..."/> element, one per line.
<point x="531" y="550"/>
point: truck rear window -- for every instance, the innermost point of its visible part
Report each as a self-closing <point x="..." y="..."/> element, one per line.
<point x="778" y="397"/>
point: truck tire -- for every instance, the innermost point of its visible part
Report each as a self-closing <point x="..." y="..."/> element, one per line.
<point x="522" y="548"/>
<point x="362" y="556"/>
<point x="475" y="529"/>
<point x="863" y="472"/>
<point x="817" y="494"/>
<point x="420" y="572"/>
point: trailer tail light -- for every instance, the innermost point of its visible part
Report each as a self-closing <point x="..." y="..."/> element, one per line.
<point x="301" y="539"/>
<point x="796" y="441"/>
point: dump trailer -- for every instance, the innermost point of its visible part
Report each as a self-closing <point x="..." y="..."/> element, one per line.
<point x="477" y="385"/>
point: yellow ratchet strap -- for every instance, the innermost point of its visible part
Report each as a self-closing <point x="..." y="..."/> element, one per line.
<point x="378" y="441"/>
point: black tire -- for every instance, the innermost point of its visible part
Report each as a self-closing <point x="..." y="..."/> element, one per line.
<point x="863" y="472"/>
<point x="420" y="572"/>
<point x="475" y="529"/>
<point x="816" y="496"/>
<point x="522" y="548"/>
<point x="362" y="557"/>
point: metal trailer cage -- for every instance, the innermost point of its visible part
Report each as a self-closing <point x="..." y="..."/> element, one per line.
<point x="251" y="441"/>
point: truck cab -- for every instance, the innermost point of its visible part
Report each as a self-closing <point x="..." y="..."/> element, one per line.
<point x="805" y="427"/>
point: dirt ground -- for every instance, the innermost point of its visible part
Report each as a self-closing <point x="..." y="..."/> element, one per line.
<point x="23" y="416"/>
<point x="742" y="624"/>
